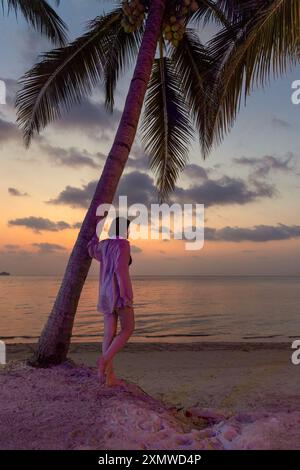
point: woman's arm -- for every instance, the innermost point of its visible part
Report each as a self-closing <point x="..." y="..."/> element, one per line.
<point x="94" y="249"/>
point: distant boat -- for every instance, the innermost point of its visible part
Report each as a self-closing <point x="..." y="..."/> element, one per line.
<point x="4" y="273"/>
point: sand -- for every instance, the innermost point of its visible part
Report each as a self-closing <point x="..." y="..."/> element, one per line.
<point x="178" y="396"/>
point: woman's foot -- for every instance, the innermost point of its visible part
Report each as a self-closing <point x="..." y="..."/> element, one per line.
<point x="101" y="371"/>
<point x="113" y="381"/>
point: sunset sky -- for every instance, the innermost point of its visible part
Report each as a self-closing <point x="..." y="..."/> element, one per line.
<point x="249" y="185"/>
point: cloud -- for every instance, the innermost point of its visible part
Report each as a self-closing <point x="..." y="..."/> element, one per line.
<point x="77" y="225"/>
<point x="75" y="197"/>
<point x="263" y="166"/>
<point x="138" y="159"/>
<point x="280" y="123"/>
<point x="39" y="224"/>
<point x="92" y="118"/>
<point x="11" y="249"/>
<point x="15" y="254"/>
<point x="16" y="192"/>
<point x="197" y="172"/>
<point x="223" y="191"/>
<point x="258" y="233"/>
<point x="8" y="131"/>
<point x="138" y="163"/>
<point x="139" y="188"/>
<point x="71" y="157"/>
<point x="10" y="246"/>
<point x="45" y="248"/>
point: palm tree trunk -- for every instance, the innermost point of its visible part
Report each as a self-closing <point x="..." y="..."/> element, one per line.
<point x="55" y="338"/>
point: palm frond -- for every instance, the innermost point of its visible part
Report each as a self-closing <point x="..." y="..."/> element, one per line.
<point x="122" y="50"/>
<point x="236" y="10"/>
<point x="209" y="11"/>
<point x="63" y="77"/>
<point x="166" y="127"/>
<point x="267" y="46"/>
<point x="194" y="66"/>
<point x="41" y="16"/>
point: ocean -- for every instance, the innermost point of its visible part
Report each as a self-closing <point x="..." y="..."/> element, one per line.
<point x="167" y="309"/>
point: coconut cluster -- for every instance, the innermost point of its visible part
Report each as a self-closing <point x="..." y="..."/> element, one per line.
<point x="174" y="26"/>
<point x="133" y="15"/>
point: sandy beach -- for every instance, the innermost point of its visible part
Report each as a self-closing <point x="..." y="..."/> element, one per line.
<point x="197" y="395"/>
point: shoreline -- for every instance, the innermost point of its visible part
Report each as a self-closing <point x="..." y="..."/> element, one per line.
<point x="136" y="346"/>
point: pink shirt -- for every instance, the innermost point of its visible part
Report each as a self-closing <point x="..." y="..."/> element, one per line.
<point x="115" y="289"/>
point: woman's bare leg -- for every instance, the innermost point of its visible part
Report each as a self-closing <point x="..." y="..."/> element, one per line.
<point x="110" y="329"/>
<point x="126" y="316"/>
<point x="111" y="378"/>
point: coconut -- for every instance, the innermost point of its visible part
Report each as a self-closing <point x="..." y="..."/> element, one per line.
<point x="194" y="6"/>
<point x="126" y="9"/>
<point x="131" y="19"/>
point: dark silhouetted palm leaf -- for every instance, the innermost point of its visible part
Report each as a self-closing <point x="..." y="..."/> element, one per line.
<point x="194" y="66"/>
<point x="235" y="10"/>
<point x="209" y="11"/>
<point x="64" y="77"/>
<point x="40" y="15"/>
<point x="267" y="46"/>
<point x="166" y="128"/>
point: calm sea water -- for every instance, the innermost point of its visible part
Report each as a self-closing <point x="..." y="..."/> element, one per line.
<point x="167" y="308"/>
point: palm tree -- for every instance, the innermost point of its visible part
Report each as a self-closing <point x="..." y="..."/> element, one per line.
<point x="187" y="85"/>
<point x="40" y="16"/>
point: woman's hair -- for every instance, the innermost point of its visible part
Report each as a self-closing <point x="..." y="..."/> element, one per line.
<point x="119" y="227"/>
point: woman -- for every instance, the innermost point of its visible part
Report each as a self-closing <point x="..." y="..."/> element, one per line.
<point x="115" y="295"/>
